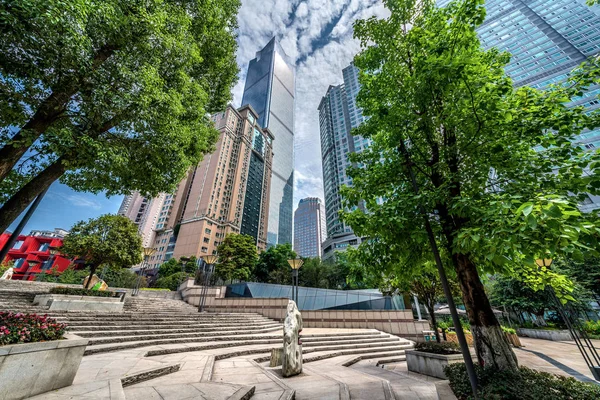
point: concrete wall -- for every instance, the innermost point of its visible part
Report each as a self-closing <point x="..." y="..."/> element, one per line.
<point x="430" y="364"/>
<point x="33" y="368"/>
<point x="557" y="336"/>
<point x="44" y="287"/>
<point x="399" y="323"/>
<point x="61" y="302"/>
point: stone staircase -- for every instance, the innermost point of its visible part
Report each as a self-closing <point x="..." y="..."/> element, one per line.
<point x="19" y="301"/>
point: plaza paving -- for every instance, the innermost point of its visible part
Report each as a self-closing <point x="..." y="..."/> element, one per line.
<point x="164" y="349"/>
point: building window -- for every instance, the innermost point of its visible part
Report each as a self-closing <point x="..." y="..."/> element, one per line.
<point x="207" y="231"/>
<point x="205" y="249"/>
<point x="18" y="244"/>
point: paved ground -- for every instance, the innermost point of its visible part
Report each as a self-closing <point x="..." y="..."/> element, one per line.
<point x="562" y="358"/>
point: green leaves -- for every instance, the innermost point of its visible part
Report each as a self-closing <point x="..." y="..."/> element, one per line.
<point x="237" y="257"/>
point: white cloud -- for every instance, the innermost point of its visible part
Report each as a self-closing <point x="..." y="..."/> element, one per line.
<point x="299" y="25"/>
<point x="78" y="200"/>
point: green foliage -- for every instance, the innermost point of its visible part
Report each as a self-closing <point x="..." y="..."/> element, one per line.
<point x="172" y="281"/>
<point x="326" y="275"/>
<point x="524" y="384"/>
<point x="28" y="328"/>
<point x="173" y="266"/>
<point x="69" y="276"/>
<point x="108" y="239"/>
<point x="117" y="277"/>
<point x="237" y="257"/>
<point x="586" y="273"/>
<point x="5" y="266"/>
<point x="117" y="91"/>
<point x="508" y="330"/>
<point x="512" y="293"/>
<point x="438" y="348"/>
<point x="592" y="327"/>
<point x="272" y="265"/>
<point x="82" y="292"/>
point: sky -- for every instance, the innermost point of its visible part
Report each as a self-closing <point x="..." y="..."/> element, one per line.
<point x="317" y="38"/>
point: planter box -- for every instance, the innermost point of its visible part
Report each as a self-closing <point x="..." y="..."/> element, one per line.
<point x="33" y="368"/>
<point x="63" y="302"/>
<point x="513" y="339"/>
<point x="557" y="336"/>
<point x="454" y="339"/>
<point x="430" y="364"/>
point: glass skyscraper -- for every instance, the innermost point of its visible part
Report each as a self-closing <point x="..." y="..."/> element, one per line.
<point x="270" y="90"/>
<point x="546" y="40"/>
<point x="338" y="114"/>
<point x="309" y="227"/>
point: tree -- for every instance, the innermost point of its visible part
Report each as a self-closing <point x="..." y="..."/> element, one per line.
<point x="272" y="265"/>
<point x="109" y="95"/>
<point x="108" y="239"/>
<point x="443" y="114"/>
<point x="173" y="266"/>
<point x="237" y="257"/>
<point x="586" y="273"/>
<point x="520" y="298"/>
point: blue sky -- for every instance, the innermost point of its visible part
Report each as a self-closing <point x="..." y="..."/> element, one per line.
<point x="316" y="36"/>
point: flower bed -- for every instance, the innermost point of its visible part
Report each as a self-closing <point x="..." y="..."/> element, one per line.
<point x="28" y="328"/>
<point x="522" y="384"/>
<point x="82" y="292"/>
<point x="430" y="358"/>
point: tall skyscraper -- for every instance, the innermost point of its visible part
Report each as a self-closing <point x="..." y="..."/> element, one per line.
<point x="309" y="227"/>
<point x="338" y="114"/>
<point x="270" y="90"/>
<point x="546" y="40"/>
<point x="227" y="192"/>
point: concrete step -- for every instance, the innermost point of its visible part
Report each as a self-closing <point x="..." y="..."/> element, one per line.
<point x="95" y="332"/>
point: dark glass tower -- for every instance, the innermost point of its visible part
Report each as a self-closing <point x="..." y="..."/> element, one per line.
<point x="270" y="90"/>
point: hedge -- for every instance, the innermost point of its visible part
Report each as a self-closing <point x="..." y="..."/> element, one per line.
<point x="83" y="292"/>
<point x="524" y="384"/>
<point x="438" y="348"/>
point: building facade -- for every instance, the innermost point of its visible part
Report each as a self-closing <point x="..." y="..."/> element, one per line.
<point x="227" y="192"/>
<point x="144" y="212"/>
<point x="31" y="254"/>
<point x="270" y="90"/>
<point x="546" y="39"/>
<point x="309" y="227"/>
<point x="338" y="115"/>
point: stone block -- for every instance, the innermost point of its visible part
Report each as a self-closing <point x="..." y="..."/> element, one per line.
<point x="430" y="364"/>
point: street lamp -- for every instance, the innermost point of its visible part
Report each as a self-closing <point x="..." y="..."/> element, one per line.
<point x="184" y="261"/>
<point x="209" y="262"/>
<point x="295" y="263"/>
<point x="579" y="335"/>
<point x="146" y="252"/>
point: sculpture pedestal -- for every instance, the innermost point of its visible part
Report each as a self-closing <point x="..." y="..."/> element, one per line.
<point x="276" y="357"/>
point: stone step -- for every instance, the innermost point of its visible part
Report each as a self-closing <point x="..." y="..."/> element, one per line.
<point x="108" y="331"/>
<point x="126" y="325"/>
<point x="105" y="348"/>
<point x="365" y="353"/>
<point x="390" y="360"/>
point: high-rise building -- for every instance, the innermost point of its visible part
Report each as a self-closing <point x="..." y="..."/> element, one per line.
<point x="309" y="227"/>
<point x="338" y="115"/>
<point x="270" y="90"/>
<point x="227" y="192"/>
<point x="144" y="212"/>
<point x="546" y="39"/>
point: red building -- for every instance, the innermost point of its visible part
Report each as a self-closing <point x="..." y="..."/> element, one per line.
<point x="33" y="254"/>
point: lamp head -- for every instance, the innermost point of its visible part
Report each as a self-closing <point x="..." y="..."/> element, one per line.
<point x="184" y="259"/>
<point x="296" y="263"/>
<point x="544" y="262"/>
<point x="148" y="251"/>
<point x="33" y="263"/>
<point x="53" y="250"/>
<point x="210" y="259"/>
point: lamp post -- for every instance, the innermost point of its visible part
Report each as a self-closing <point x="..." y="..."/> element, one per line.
<point x="295" y="263"/>
<point x="146" y="252"/>
<point x="209" y="263"/>
<point x="53" y="250"/>
<point x="582" y="340"/>
<point x="184" y="261"/>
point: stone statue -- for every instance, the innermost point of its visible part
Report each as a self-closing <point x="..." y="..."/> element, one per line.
<point x="7" y="275"/>
<point x="292" y="346"/>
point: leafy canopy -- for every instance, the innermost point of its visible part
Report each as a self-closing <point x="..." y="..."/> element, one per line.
<point x="496" y="166"/>
<point x="273" y="266"/>
<point x="237" y="257"/>
<point x="118" y="91"/>
<point x="108" y="239"/>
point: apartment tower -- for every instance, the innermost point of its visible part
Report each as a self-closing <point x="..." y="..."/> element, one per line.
<point x="309" y="227"/>
<point x="270" y="90"/>
<point x="338" y="115"/>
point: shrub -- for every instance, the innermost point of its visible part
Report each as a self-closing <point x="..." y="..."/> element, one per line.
<point x="83" y="292"/>
<point x="509" y="330"/>
<point x="524" y="384"/>
<point x="438" y="348"/>
<point x="592" y="327"/>
<point x="172" y="281"/>
<point x="28" y="328"/>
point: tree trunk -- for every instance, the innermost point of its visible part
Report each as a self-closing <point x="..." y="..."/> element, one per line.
<point x="491" y="344"/>
<point x="20" y="200"/>
<point x="433" y="323"/>
<point x="46" y="114"/>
